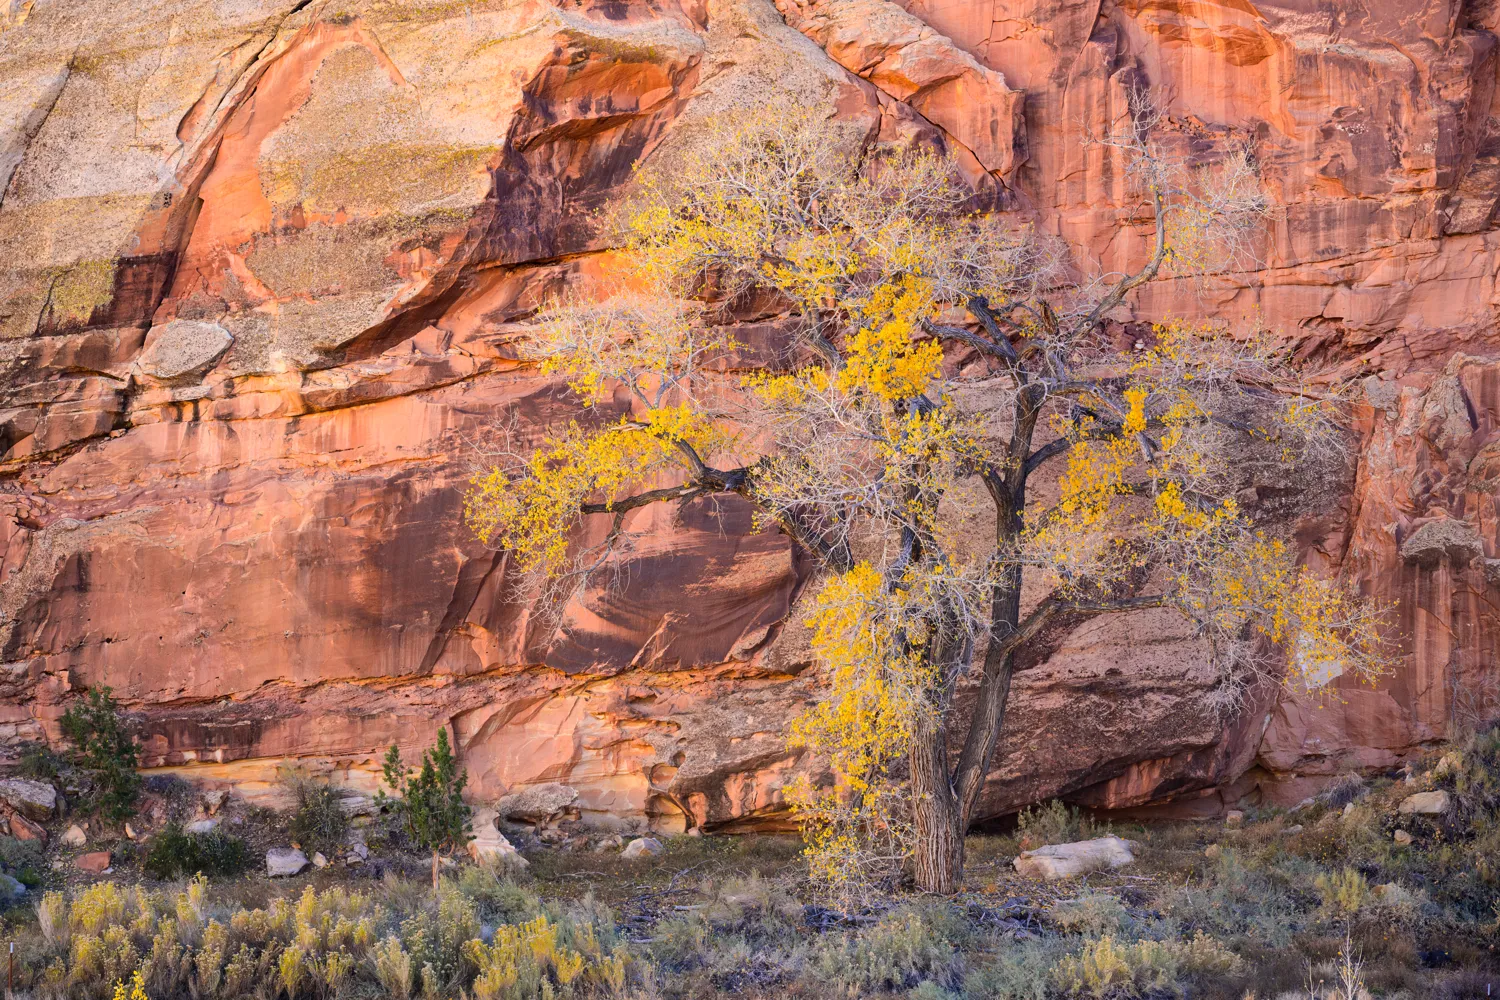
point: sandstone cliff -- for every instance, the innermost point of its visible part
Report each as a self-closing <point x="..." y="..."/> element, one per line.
<point x="261" y="262"/>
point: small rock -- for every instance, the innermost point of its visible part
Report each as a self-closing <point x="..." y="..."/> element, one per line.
<point x="1451" y="763"/>
<point x="1235" y="817"/>
<point x="1425" y="804"/>
<point x="74" y="837"/>
<point x="359" y="850"/>
<point x="318" y="860"/>
<point x="214" y="799"/>
<point x="282" y="861"/>
<point x="95" y="862"/>
<point x="1213" y="851"/>
<point x="641" y="846"/>
<point x="1294" y="828"/>
<point x="1401" y="837"/>
<point x="695" y="832"/>
<point x="536" y="804"/>
<point x="202" y="826"/>
<point x="1349" y="809"/>
<point x="33" y="799"/>
<point x="10" y="889"/>
<point x="24" y="829"/>
<point x="1057" y="861"/>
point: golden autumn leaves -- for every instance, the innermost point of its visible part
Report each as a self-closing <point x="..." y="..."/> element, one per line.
<point x="863" y="446"/>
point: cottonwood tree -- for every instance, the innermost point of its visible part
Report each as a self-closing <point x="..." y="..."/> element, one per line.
<point x="862" y="444"/>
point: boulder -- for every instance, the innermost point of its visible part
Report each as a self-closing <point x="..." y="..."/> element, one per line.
<point x="284" y="861"/>
<point x="182" y="348"/>
<point x="33" y="799"/>
<point x="490" y="845"/>
<point x="1425" y="804"/>
<point x="74" y="837"/>
<point x="10" y="889"/>
<point x="1444" y="538"/>
<point x="94" y="863"/>
<point x="536" y="803"/>
<point x="642" y="847"/>
<point x="1058" y="861"/>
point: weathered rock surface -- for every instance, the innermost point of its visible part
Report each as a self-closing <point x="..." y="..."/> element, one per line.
<point x="284" y="861"/>
<point x="93" y="863"/>
<point x="641" y="847"/>
<point x="490" y="845"/>
<point x="1426" y="804"/>
<point x="11" y="890"/>
<point x="33" y="799"/>
<point x="537" y="803"/>
<point x="1060" y="861"/>
<point x="258" y="266"/>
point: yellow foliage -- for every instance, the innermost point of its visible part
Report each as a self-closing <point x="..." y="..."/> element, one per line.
<point x="531" y="514"/>
<point x="524" y="960"/>
<point x="137" y="990"/>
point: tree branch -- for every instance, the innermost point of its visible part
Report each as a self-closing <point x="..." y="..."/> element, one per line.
<point x="1127" y="284"/>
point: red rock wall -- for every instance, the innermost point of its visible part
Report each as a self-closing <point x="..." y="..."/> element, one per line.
<point x="259" y="266"/>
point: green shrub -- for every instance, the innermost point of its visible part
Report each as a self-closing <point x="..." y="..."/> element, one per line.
<point x="1093" y="913"/>
<point x="1021" y="971"/>
<point x="318" y="822"/>
<point x="23" y="860"/>
<point x="1108" y="968"/>
<point x="1343" y="893"/>
<point x="175" y="853"/>
<point x="906" y="947"/>
<point x="430" y="804"/>
<point x="38" y="762"/>
<point x="1054" y="823"/>
<point x="104" y="749"/>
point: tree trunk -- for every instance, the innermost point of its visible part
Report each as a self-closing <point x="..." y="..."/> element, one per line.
<point x="939" y="860"/>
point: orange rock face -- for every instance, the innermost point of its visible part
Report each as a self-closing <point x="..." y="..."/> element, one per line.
<point x="261" y="263"/>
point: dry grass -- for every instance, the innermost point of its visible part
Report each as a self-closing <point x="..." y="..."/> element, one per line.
<point x="1337" y="909"/>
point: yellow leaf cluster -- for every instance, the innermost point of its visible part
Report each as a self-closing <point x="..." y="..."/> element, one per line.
<point x="532" y="511"/>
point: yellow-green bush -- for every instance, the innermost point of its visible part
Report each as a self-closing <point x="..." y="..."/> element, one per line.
<point x="1107" y="967"/>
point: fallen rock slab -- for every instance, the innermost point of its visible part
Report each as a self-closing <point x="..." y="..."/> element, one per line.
<point x="94" y="863"/>
<point x="536" y="804"/>
<point x="1425" y="804"/>
<point x="1059" y="861"/>
<point x="33" y="799"/>
<point x="284" y="861"/>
